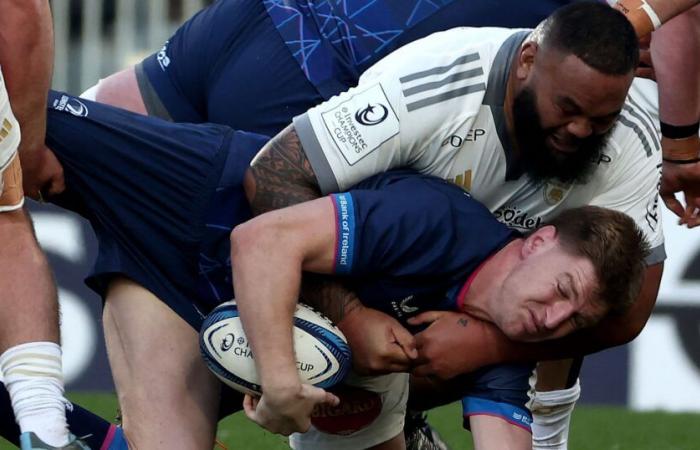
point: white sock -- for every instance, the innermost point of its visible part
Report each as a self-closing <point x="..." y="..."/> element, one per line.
<point x="551" y="414"/>
<point x="33" y="377"/>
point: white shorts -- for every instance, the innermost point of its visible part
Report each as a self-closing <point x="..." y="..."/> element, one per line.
<point x="393" y="391"/>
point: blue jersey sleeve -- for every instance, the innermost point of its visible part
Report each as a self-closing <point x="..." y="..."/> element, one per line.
<point x="402" y="223"/>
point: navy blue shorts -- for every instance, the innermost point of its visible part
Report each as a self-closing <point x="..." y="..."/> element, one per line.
<point x="229" y="65"/>
<point x="146" y="185"/>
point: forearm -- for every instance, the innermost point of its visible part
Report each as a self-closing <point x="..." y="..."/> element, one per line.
<point x="647" y="15"/>
<point x="329" y="296"/>
<point x="266" y="294"/>
<point x="675" y="51"/>
<point x="26" y="56"/>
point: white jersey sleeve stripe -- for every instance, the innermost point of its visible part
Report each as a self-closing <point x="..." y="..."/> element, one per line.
<point x="445" y="96"/>
<point x="650" y="131"/>
<point x="645" y="118"/>
<point x="471" y="57"/>
<point x="467" y="74"/>
<point x="314" y="152"/>
<point x="638" y="131"/>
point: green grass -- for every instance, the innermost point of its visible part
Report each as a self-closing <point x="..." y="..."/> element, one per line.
<point x="594" y="428"/>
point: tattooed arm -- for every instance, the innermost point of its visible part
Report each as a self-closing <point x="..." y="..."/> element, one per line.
<point x="280" y="176"/>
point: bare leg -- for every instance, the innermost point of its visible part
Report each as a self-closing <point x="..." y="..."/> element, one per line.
<point x="121" y="89"/>
<point x="169" y="399"/>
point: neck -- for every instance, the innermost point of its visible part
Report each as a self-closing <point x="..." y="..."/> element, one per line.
<point x="486" y="283"/>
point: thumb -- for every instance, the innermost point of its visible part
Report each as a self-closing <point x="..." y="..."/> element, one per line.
<point x="405" y="340"/>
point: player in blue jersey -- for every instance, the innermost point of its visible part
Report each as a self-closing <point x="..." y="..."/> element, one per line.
<point x="407" y="244"/>
<point x="255" y="64"/>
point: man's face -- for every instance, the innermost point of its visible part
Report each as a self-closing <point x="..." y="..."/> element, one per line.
<point x="548" y="294"/>
<point x="563" y="114"/>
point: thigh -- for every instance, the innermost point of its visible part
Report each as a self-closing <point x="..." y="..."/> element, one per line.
<point x="121" y="89"/>
<point x="168" y="397"/>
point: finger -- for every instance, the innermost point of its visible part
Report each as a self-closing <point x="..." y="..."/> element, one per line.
<point x="675" y="206"/>
<point x="426" y="317"/>
<point x="406" y="341"/>
<point x="249" y="407"/>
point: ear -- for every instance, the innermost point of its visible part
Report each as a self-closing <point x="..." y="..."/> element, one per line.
<point x="526" y="60"/>
<point x="541" y="239"/>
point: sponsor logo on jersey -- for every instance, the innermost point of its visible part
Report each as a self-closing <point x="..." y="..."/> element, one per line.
<point x="162" y="56"/>
<point x="463" y="180"/>
<point x="555" y="191"/>
<point x="372" y="115"/>
<point x="406" y="307"/>
<point x="457" y="141"/>
<point x="514" y="217"/>
<point x="71" y="105"/>
<point x="359" y="125"/>
<point x="602" y="159"/>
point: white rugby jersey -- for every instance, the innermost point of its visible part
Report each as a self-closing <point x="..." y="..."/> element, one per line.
<point x="9" y="129"/>
<point x="436" y="105"/>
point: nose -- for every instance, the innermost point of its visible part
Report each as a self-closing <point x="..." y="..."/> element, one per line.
<point x="557" y="313"/>
<point x="580" y="127"/>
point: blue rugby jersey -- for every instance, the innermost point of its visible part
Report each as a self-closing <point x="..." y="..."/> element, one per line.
<point x="334" y="41"/>
<point x="410" y="242"/>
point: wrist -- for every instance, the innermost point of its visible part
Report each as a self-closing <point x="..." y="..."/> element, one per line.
<point x="640" y="14"/>
<point x="681" y="151"/>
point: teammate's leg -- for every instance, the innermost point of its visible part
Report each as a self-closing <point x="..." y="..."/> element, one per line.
<point x="557" y="391"/>
<point x="30" y="357"/>
<point x="168" y="397"/>
<point x="119" y="89"/>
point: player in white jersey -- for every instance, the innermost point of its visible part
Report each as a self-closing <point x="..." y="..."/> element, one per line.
<point x="30" y="356"/>
<point x="511" y="118"/>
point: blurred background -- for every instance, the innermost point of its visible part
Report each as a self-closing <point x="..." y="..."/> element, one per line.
<point x="660" y="370"/>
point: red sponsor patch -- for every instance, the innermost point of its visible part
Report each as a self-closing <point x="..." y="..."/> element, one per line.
<point x="358" y="408"/>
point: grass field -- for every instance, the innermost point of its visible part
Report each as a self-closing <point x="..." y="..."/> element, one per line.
<point x="594" y="428"/>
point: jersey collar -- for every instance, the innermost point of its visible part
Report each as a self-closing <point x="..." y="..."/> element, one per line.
<point x="496" y="94"/>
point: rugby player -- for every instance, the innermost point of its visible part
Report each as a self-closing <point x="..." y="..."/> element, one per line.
<point x="408" y="244"/>
<point x="296" y="76"/>
<point x="480" y="123"/>
<point x="30" y="354"/>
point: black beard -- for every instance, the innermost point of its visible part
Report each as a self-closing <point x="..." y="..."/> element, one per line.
<point x="540" y="161"/>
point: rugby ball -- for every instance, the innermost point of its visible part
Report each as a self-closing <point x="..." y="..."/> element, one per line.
<point x="322" y="352"/>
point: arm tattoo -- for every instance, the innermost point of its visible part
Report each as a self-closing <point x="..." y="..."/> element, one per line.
<point x="281" y="174"/>
<point x="329" y="296"/>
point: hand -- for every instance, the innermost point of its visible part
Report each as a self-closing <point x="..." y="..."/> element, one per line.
<point x="379" y="343"/>
<point x="682" y="178"/>
<point x="42" y="173"/>
<point x="287" y="411"/>
<point x="454" y="343"/>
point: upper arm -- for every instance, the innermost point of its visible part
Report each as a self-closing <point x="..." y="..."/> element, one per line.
<point x="302" y="234"/>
